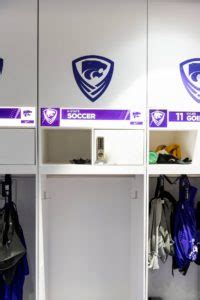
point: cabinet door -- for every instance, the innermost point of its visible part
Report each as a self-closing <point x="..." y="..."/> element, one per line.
<point x="18" y="40"/>
<point x="17" y="146"/>
<point x="122" y="147"/>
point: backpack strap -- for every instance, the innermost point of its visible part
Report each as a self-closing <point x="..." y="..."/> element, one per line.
<point x="184" y="188"/>
<point x="159" y="192"/>
<point x="159" y="187"/>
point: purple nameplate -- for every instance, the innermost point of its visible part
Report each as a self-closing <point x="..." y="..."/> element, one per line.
<point x="183" y="116"/>
<point x="10" y="113"/>
<point x="98" y="114"/>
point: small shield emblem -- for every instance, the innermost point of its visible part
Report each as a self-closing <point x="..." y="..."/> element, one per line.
<point x="50" y="115"/>
<point x="158" y="117"/>
<point x="190" y="73"/>
<point x="93" y="75"/>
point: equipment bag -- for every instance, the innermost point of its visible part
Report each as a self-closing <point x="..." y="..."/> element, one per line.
<point x="184" y="229"/>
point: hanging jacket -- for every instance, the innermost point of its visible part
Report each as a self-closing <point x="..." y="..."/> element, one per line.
<point x="185" y="230"/>
<point x="160" y="236"/>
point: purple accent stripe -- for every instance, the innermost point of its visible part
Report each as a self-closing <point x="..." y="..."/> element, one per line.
<point x="27" y="121"/>
<point x="98" y="114"/>
<point x="10" y="113"/>
<point x="136" y="123"/>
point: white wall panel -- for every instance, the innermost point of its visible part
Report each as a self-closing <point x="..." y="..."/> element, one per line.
<point x="113" y="29"/>
<point x="18" y="48"/>
<point x="173" y="38"/>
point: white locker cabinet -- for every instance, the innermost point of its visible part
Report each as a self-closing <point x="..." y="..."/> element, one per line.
<point x="17" y="146"/>
<point x="122" y="147"/>
<point x="18" y="36"/>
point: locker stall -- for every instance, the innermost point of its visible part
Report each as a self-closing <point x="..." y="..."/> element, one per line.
<point x="173" y="54"/>
<point x="90" y="214"/>
<point x="24" y="198"/>
<point x="93" y="237"/>
<point x="162" y="284"/>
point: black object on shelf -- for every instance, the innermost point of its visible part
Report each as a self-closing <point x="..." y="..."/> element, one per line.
<point x="80" y="161"/>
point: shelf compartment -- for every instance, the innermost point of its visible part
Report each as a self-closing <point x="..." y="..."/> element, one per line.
<point x="187" y="140"/>
<point x="60" y="146"/>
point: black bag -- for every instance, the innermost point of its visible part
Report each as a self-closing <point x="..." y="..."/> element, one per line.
<point x="12" y="248"/>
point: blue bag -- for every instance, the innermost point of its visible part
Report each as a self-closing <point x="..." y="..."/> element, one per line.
<point x="198" y="232"/>
<point x="185" y="229"/>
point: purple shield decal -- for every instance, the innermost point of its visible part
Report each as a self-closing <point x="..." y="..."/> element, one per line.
<point x="158" y="118"/>
<point x="50" y="116"/>
<point x="93" y="75"/>
<point x="190" y="73"/>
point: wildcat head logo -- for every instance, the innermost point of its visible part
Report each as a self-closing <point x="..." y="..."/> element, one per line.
<point x="136" y="115"/>
<point x="27" y="113"/>
<point x="93" y="75"/>
<point x="50" y="115"/>
<point x="1" y="66"/>
<point x="190" y="73"/>
<point x="158" y="118"/>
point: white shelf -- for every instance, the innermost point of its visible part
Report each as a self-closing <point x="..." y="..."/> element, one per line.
<point x="173" y="169"/>
<point x="18" y="169"/>
<point x="90" y="170"/>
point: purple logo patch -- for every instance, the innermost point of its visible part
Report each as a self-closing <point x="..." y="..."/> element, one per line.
<point x="190" y="73"/>
<point x="50" y="116"/>
<point x="136" y="115"/>
<point x="1" y="65"/>
<point x="27" y="113"/>
<point x="158" y="118"/>
<point x="93" y="75"/>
